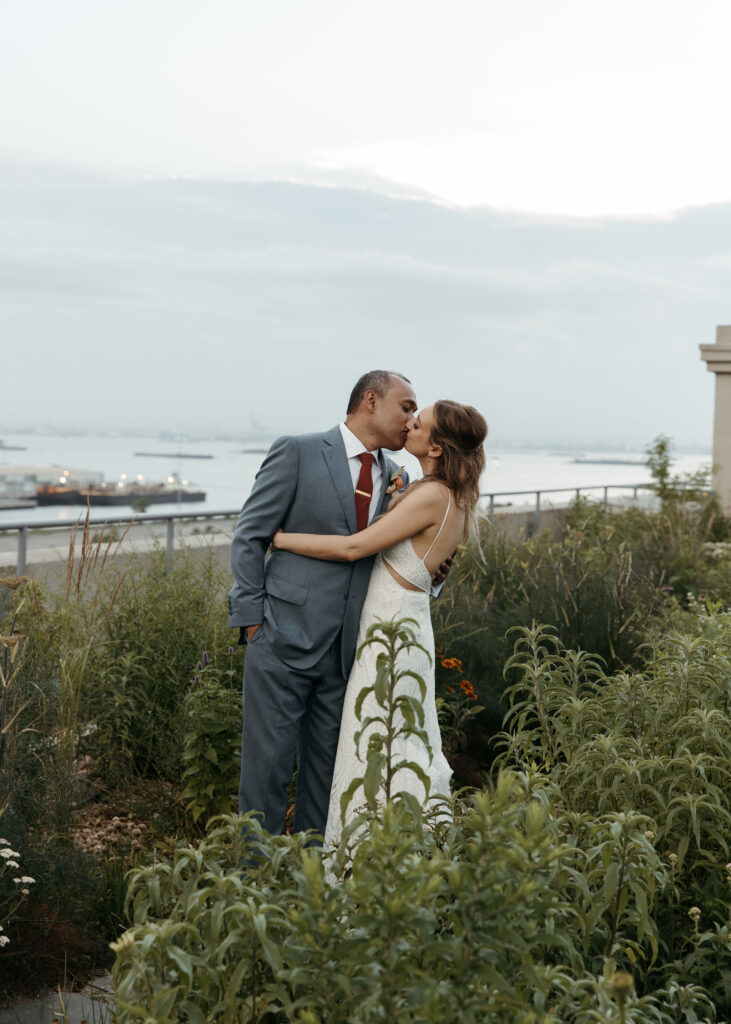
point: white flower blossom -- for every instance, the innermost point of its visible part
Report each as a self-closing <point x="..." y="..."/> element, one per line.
<point x="25" y="892"/>
<point x="27" y="880"/>
<point x="9" y="853"/>
<point x="18" y="881"/>
<point x="12" y="864"/>
<point x="4" y="940"/>
<point x="4" y="842"/>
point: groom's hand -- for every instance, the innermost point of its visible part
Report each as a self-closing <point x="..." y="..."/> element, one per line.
<point x="443" y="571"/>
<point x="246" y="633"/>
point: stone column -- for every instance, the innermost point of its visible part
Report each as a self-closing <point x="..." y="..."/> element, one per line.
<point x="718" y="360"/>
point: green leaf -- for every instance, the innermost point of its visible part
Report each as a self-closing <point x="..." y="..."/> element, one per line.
<point x="373" y="778"/>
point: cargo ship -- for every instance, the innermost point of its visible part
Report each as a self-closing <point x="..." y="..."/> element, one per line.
<point x="122" y="493"/>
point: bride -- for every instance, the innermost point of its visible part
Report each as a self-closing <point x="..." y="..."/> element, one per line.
<point x="422" y="527"/>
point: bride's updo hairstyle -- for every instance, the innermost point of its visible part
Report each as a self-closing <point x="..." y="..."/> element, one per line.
<point x="460" y="431"/>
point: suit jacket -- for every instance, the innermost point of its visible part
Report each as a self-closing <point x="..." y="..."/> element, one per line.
<point x="304" y="485"/>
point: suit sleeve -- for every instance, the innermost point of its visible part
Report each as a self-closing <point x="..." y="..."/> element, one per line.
<point x="263" y="513"/>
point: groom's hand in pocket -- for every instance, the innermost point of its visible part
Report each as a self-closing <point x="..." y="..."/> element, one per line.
<point x="443" y="571"/>
<point x="246" y="633"/>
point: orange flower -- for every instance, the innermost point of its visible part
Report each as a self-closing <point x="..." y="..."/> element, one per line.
<point x="468" y="689"/>
<point x="452" y="663"/>
<point x="450" y="689"/>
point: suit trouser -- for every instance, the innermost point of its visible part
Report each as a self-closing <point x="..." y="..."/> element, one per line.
<point x="288" y="710"/>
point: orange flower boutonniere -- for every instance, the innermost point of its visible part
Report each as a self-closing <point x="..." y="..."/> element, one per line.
<point x="396" y="481"/>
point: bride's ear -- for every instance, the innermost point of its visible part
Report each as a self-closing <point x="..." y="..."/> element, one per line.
<point x="435" y="451"/>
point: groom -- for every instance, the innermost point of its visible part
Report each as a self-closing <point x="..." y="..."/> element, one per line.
<point x="300" y="615"/>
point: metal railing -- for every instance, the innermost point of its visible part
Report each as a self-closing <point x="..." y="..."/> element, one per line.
<point x="169" y="518"/>
<point x="577" y="491"/>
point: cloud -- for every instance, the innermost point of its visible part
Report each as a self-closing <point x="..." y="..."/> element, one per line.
<point x="199" y="304"/>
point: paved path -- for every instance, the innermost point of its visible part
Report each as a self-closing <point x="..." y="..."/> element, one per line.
<point x="92" y="1005"/>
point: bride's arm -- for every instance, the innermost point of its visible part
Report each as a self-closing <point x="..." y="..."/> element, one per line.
<point x="418" y="510"/>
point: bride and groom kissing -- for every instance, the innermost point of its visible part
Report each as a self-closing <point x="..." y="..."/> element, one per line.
<point x="337" y="565"/>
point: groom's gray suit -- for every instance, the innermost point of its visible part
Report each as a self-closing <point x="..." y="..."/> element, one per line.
<point x="298" y="662"/>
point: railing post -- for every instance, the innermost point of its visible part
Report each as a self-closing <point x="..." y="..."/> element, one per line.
<point x="606" y="496"/>
<point x="22" y="559"/>
<point x="169" y="544"/>
<point x="491" y="513"/>
<point x="538" y="509"/>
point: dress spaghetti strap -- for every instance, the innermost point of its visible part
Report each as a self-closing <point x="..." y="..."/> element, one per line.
<point x="449" y="504"/>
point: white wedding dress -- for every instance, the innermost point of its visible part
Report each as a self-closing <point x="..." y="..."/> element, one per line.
<point x="387" y="599"/>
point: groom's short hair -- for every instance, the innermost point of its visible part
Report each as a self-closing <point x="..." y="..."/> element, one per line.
<point x="375" y="380"/>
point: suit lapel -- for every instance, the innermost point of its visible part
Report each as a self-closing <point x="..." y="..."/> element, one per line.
<point x="337" y="463"/>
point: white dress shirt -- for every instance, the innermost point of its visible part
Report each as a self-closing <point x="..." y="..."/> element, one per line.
<point x="354" y="448"/>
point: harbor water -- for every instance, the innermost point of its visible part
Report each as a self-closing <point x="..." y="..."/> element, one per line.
<point x="228" y="476"/>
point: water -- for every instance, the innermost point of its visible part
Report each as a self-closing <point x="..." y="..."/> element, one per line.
<point x="227" y="477"/>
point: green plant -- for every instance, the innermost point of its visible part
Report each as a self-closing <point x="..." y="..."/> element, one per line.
<point x="600" y="584"/>
<point x="135" y="697"/>
<point x="516" y="908"/>
<point x="400" y="716"/>
<point x="655" y="744"/>
<point x="212" y="744"/>
<point x="14" y="887"/>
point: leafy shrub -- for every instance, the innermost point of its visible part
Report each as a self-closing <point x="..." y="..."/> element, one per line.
<point x="212" y="743"/>
<point x="527" y="904"/>
<point x="135" y="698"/>
<point x="599" y="586"/>
<point x="656" y="743"/>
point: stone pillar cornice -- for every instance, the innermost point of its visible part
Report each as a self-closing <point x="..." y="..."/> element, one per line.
<point x="718" y="357"/>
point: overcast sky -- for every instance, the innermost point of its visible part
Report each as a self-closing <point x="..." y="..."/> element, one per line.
<point x="523" y="205"/>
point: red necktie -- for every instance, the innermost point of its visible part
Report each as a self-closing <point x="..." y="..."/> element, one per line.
<point x="364" y="490"/>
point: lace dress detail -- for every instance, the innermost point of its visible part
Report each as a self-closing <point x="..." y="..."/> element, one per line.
<point x="387" y="599"/>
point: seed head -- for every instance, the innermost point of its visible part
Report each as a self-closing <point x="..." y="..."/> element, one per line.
<point x="694" y="914"/>
<point x="622" y="984"/>
<point x="123" y="942"/>
<point x="12" y="582"/>
<point x="649" y="835"/>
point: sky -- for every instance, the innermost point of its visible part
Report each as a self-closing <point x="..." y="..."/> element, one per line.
<point x="214" y="216"/>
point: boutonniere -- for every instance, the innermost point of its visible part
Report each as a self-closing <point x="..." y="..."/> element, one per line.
<point x="396" y="481"/>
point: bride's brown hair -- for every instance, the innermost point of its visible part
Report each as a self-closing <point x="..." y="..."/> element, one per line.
<point x="460" y="431"/>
